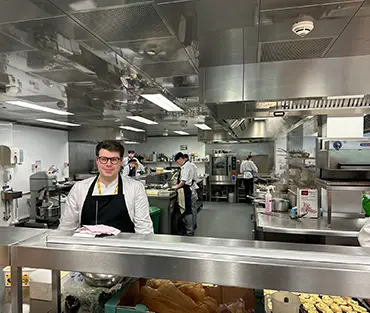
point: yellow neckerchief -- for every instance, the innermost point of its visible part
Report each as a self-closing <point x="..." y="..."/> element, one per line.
<point x="99" y="188"/>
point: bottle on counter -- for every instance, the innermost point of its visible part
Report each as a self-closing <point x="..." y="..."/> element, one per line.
<point x="268" y="198"/>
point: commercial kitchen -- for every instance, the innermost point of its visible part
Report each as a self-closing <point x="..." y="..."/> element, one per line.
<point x="281" y="83"/>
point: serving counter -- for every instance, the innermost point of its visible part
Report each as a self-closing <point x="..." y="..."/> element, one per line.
<point x="308" y="268"/>
<point x="280" y="227"/>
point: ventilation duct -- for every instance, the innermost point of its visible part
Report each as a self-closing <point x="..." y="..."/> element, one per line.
<point x="285" y="80"/>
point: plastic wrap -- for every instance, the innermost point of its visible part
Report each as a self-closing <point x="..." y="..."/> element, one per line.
<point x="91" y="299"/>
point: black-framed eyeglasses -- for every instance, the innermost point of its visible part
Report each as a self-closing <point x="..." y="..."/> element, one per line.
<point x="114" y="161"/>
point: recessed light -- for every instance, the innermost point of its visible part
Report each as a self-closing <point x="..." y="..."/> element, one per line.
<point x="131" y="142"/>
<point x="180" y="132"/>
<point x="203" y="126"/>
<point x="142" y="120"/>
<point x="259" y="119"/>
<point x="37" y="107"/>
<point x="279" y="113"/>
<point x="46" y="120"/>
<point x="161" y="101"/>
<point x="345" y="97"/>
<point x="138" y="130"/>
<point x="151" y="52"/>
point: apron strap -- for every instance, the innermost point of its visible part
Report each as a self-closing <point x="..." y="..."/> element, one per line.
<point x="120" y="185"/>
<point x="92" y="186"/>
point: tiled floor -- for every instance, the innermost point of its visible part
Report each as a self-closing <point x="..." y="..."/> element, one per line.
<point x="225" y="220"/>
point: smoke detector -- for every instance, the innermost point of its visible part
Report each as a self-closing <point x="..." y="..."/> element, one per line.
<point x="303" y="26"/>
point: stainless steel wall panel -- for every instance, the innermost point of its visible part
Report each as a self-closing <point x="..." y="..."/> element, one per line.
<point x="221" y="83"/>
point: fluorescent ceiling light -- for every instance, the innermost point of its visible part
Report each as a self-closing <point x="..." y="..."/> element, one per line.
<point x="33" y="106"/>
<point x="131" y="142"/>
<point x="180" y="132"/>
<point x="259" y="119"/>
<point x="138" y="130"/>
<point x="161" y="101"/>
<point x="46" y="120"/>
<point x="345" y="97"/>
<point x="142" y="120"/>
<point x="203" y="126"/>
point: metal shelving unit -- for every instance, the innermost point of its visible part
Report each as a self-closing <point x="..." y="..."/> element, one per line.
<point x="331" y="270"/>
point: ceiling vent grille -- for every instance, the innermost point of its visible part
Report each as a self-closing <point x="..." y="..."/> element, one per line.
<point x="310" y="104"/>
<point x="294" y="49"/>
<point x="125" y="23"/>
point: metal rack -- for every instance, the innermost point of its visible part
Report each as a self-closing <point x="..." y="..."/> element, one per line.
<point x="337" y="185"/>
<point x="252" y="264"/>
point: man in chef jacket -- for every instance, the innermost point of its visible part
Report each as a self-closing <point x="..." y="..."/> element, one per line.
<point x="186" y="186"/>
<point x="131" y="156"/>
<point x="194" y="194"/>
<point x="108" y="199"/>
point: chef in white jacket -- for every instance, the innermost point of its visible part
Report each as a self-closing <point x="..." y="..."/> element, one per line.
<point x="185" y="186"/>
<point x="108" y="198"/>
<point x="248" y="168"/>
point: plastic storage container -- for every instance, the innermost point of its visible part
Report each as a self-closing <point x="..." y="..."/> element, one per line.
<point x="155" y="214"/>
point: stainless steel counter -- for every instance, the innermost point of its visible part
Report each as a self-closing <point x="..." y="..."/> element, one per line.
<point x="9" y="236"/>
<point x="281" y="223"/>
<point x="307" y="268"/>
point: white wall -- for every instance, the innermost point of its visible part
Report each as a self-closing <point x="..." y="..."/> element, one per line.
<point x="345" y="127"/>
<point x="38" y="144"/>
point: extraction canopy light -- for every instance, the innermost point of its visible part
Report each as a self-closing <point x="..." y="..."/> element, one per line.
<point x="138" y="130"/>
<point x="180" y="132"/>
<point x="33" y="106"/>
<point x="131" y="142"/>
<point x="345" y="97"/>
<point x="46" y="120"/>
<point x="142" y="120"/>
<point x="203" y="126"/>
<point x="161" y="101"/>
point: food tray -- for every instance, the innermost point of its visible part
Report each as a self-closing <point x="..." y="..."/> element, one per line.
<point x="326" y="304"/>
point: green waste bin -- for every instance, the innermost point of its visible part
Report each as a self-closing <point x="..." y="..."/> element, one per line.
<point x="155" y="214"/>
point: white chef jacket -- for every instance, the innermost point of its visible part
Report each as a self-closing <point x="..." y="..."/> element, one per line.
<point x="135" y="198"/>
<point x="126" y="171"/>
<point x="364" y="235"/>
<point x="141" y="166"/>
<point x="188" y="173"/>
<point x="247" y="168"/>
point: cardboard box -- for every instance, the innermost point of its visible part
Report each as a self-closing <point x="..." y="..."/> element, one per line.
<point x="40" y="284"/>
<point x="25" y="276"/>
<point x="228" y="295"/>
<point x="307" y="202"/>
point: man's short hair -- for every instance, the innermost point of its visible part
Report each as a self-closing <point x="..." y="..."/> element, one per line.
<point x="186" y="156"/>
<point x="179" y="155"/>
<point x="111" y="146"/>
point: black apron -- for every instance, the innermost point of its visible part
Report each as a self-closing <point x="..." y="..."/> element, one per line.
<point x="110" y="210"/>
<point x="187" y="194"/>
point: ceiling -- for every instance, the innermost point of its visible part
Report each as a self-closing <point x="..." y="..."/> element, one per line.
<point x="95" y="57"/>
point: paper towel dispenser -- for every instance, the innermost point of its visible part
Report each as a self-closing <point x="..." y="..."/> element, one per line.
<point x="10" y="155"/>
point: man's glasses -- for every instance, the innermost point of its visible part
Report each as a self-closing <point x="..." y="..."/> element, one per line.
<point x="114" y="161"/>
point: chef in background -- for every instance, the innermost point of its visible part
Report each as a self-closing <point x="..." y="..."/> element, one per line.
<point x="195" y="195"/>
<point x="248" y="169"/>
<point x="131" y="169"/>
<point x="131" y="156"/>
<point x="108" y="199"/>
<point x="185" y="187"/>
